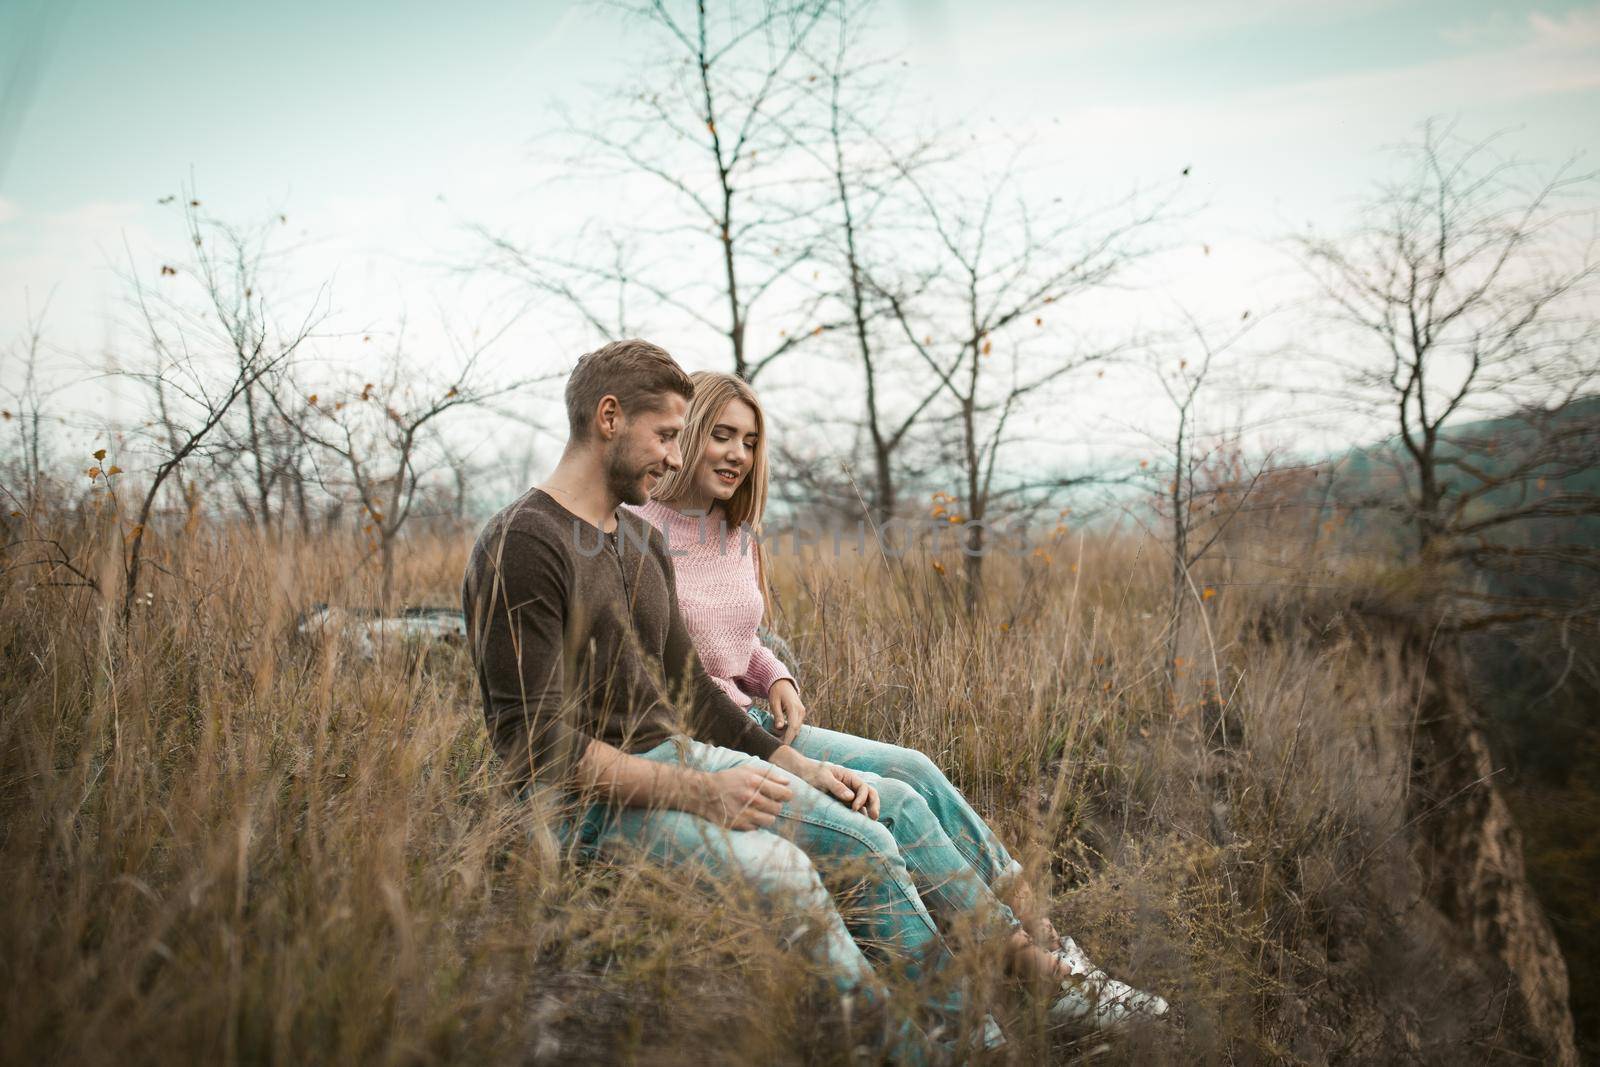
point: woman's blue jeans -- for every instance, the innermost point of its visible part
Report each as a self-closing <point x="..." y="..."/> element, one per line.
<point x="964" y="827"/>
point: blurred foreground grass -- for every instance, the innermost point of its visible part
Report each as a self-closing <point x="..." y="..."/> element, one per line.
<point x="219" y="843"/>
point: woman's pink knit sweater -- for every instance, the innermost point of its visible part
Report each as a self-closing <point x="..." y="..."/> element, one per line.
<point x="720" y="598"/>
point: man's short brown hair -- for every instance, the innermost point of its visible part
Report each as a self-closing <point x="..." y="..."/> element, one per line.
<point x="638" y="373"/>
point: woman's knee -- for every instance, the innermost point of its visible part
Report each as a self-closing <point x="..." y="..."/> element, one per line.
<point x="899" y="801"/>
<point x="914" y="768"/>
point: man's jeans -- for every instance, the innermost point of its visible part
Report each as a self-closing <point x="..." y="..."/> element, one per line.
<point x="893" y="856"/>
<point x="964" y="827"/>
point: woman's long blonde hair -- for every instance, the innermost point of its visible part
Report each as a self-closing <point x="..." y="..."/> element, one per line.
<point x="712" y="392"/>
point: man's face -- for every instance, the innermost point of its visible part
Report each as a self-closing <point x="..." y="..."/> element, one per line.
<point x="645" y="450"/>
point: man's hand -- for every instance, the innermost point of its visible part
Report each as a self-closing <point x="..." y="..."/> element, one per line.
<point x="841" y="783"/>
<point x="742" y="798"/>
<point x="788" y="711"/>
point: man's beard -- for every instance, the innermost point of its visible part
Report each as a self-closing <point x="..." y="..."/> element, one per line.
<point x="625" y="475"/>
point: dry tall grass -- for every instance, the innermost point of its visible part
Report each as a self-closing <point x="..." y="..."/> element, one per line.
<point x="220" y="844"/>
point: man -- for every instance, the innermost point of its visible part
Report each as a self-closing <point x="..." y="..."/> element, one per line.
<point x="591" y="685"/>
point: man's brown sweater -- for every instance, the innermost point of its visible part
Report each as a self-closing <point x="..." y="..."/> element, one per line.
<point x="576" y="636"/>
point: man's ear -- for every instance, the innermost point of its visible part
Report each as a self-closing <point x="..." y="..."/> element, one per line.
<point x="608" y="417"/>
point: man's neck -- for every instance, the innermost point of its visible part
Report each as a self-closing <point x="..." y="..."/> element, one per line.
<point x="579" y="484"/>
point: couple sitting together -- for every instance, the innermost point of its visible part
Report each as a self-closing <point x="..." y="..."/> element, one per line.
<point x="612" y="614"/>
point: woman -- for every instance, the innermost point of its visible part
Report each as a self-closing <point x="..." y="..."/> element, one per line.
<point x="707" y="510"/>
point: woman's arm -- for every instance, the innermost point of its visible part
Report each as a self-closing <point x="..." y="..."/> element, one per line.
<point x="762" y="671"/>
<point x="764" y="667"/>
<point x="727" y="685"/>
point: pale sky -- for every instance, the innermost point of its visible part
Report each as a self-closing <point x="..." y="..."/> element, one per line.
<point x="380" y="128"/>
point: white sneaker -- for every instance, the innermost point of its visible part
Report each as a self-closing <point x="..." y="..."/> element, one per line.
<point x="987" y="1038"/>
<point x="1093" y="997"/>
<point x="1076" y="960"/>
<point x="992" y="1038"/>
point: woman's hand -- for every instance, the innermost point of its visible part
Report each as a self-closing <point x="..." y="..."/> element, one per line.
<point x="843" y="784"/>
<point x="788" y="712"/>
<point x="864" y="797"/>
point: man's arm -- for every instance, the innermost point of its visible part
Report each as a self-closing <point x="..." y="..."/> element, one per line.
<point x="515" y="600"/>
<point x="740" y="798"/>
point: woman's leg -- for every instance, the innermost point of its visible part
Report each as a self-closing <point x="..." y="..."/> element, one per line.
<point x="951" y="886"/>
<point x="920" y="811"/>
<point x="952" y="889"/>
<point x="964" y="826"/>
<point x="966" y="829"/>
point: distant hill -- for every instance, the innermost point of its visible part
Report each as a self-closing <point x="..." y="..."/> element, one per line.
<point x="1499" y="460"/>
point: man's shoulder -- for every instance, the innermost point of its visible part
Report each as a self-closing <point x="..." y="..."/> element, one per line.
<point x="534" y="512"/>
<point x="528" y="529"/>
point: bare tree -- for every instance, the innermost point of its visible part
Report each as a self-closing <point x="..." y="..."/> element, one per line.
<point x="264" y="456"/>
<point x="997" y="267"/>
<point x="28" y="394"/>
<point x="1466" y="296"/>
<point x="596" y="289"/>
<point x="25" y="483"/>
<point x="866" y="174"/>
<point x="1204" y="478"/>
<point x="206" y="356"/>
<point x="705" y="123"/>
<point x="382" y="439"/>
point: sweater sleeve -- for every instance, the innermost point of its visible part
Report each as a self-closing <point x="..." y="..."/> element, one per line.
<point x="764" y="669"/>
<point x="715" y="717"/>
<point x="735" y="694"/>
<point x="515" y="599"/>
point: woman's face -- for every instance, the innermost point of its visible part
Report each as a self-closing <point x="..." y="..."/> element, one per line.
<point x="729" y="454"/>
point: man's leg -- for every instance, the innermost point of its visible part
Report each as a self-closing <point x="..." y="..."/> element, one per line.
<point x="889" y="916"/>
<point x="774" y="868"/>
<point x="781" y="865"/>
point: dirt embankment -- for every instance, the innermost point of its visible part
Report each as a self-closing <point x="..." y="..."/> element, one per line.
<point x="1469" y="852"/>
